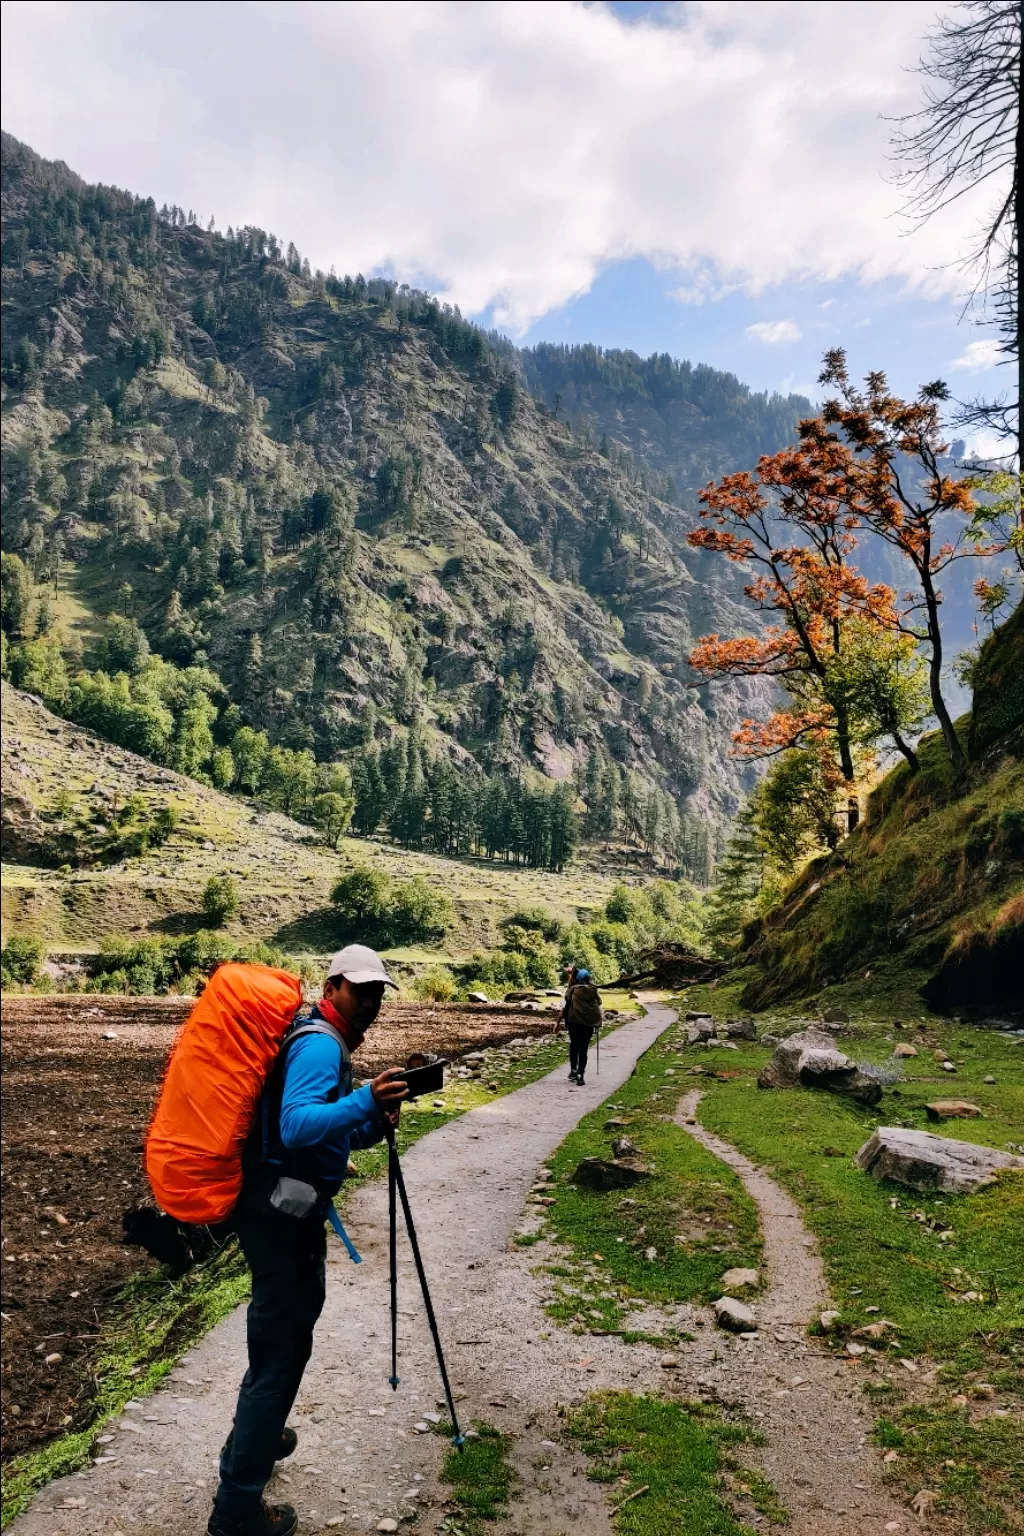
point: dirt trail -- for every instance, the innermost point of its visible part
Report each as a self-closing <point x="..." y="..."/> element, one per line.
<point x="364" y="1454"/>
<point x="808" y="1403"/>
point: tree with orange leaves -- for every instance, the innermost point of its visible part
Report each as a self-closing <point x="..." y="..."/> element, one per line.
<point x="896" y="487"/>
<point x="793" y="523"/>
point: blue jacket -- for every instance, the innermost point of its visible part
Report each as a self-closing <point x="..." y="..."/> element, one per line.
<point x="322" y="1118"/>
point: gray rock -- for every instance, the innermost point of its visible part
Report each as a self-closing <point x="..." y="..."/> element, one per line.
<point x="738" y="1029"/>
<point x="770" y="1040"/>
<point x="783" y="1071"/>
<point x="701" y="1029"/>
<point x="741" y="1280"/>
<point x="835" y="1016"/>
<point x="812" y="1059"/>
<point x="623" y="1147"/>
<point x="478" y="997"/>
<point x="734" y="1315"/>
<point x="603" y="1173"/>
<point x="829" y="1321"/>
<point x="926" y="1161"/>
<point x="692" y="1017"/>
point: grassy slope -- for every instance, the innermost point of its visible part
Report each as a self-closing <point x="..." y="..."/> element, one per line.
<point x="933" y="880"/>
<point x="284" y="874"/>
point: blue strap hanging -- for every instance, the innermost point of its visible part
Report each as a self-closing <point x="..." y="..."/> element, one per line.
<point x="335" y="1221"/>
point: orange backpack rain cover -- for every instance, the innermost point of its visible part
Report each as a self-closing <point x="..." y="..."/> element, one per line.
<point x="215" y="1076"/>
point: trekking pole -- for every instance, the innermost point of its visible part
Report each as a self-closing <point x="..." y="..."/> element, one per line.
<point x="393" y="1257"/>
<point x="458" y="1439"/>
<point x="598" y="1073"/>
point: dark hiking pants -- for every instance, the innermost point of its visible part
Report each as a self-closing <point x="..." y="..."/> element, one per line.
<point x="287" y="1260"/>
<point x="580" y="1036"/>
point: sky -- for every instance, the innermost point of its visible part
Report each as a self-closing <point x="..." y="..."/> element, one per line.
<point x="708" y="179"/>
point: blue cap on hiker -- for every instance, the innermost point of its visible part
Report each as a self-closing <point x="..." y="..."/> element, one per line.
<point x="582" y="975"/>
<point x="359" y="963"/>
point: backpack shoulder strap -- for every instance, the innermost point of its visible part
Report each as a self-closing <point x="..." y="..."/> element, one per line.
<point x="307" y="1026"/>
<point x="270" y="1106"/>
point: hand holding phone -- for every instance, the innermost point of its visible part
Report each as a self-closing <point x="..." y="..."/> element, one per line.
<point x="421" y="1080"/>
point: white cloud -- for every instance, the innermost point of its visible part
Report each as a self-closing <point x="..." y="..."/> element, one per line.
<point x="976" y="356"/>
<point x="774" y="332"/>
<point x="501" y="152"/>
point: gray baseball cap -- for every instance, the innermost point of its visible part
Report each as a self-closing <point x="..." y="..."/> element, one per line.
<point x="359" y="963"/>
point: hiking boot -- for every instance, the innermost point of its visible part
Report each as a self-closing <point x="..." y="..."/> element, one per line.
<point x="572" y="1076"/>
<point x="579" y="1081"/>
<point x="289" y="1440"/>
<point x="268" y="1520"/>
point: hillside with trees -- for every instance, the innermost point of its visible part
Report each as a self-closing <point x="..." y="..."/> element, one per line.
<point x="254" y="509"/>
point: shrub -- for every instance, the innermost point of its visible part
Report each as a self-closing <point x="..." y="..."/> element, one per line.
<point x="539" y="919"/>
<point x="363" y="898"/>
<point x="20" y="960"/>
<point x="220" y="899"/>
<point x="437" y="985"/>
<point x="418" y="911"/>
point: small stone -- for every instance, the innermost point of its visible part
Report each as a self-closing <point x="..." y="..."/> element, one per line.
<point x="905" y="1049"/>
<point x="740" y="1280"/>
<point x="387" y="1524"/>
<point x="734" y="1315"/>
<point x="828" y="1320"/>
<point x="669" y="1363"/>
<point x="951" y="1109"/>
<point x="947" y="1066"/>
<point x="53" y="1359"/>
<point x="421" y="1428"/>
<point x="856" y="1349"/>
<point x="989" y="1078"/>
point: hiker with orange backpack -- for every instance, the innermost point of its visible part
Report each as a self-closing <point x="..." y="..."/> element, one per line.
<point x="254" y="1126"/>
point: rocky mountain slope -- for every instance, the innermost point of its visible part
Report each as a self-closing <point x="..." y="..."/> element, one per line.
<point x="931" y="884"/>
<point x="343" y="498"/>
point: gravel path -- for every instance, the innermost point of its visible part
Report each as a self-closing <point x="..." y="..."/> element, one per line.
<point x="365" y="1455"/>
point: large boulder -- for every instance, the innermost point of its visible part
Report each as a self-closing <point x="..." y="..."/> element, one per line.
<point x="783" y="1071"/>
<point x="701" y="1027"/>
<point x="812" y="1059"/>
<point x="836" y="1073"/>
<point x="926" y="1161"/>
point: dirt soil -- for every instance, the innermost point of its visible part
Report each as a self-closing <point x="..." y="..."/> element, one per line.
<point x="75" y="1105"/>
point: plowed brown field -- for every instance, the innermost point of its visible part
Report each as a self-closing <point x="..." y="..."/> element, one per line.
<point x="75" y="1109"/>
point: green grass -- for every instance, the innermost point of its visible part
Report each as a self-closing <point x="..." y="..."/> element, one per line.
<point x="157" y="1319"/>
<point x="948" y="1271"/>
<point x="977" y="1469"/>
<point x="680" y="1455"/>
<point x="479" y="1477"/>
<point x="694" y="1213"/>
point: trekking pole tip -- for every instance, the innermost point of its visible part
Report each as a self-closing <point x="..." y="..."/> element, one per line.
<point x="394" y="1380"/>
<point x="458" y="1441"/>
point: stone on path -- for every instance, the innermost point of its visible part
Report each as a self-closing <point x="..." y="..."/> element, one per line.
<point x="603" y="1173"/>
<point x="740" y="1280"/>
<point x="952" y="1109"/>
<point x="828" y="1320"/>
<point x="734" y="1315"/>
<point x="925" y="1161"/>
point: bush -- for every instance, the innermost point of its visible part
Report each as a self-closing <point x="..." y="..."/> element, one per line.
<point x="437" y="985"/>
<point x="220" y="899"/>
<point x="418" y="911"/>
<point x="371" y="905"/>
<point x="20" y="960"/>
<point x="363" y="898"/>
<point x="538" y="919"/>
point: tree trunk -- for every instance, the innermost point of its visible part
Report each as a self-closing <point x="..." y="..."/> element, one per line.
<point x="949" y="735"/>
<point x="907" y="750"/>
<point x="846" y="763"/>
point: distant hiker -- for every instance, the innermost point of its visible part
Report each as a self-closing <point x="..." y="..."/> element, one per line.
<point x="309" y="1118"/>
<point x="581" y="1015"/>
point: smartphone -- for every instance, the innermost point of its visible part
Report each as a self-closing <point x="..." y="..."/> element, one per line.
<point x="428" y="1079"/>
